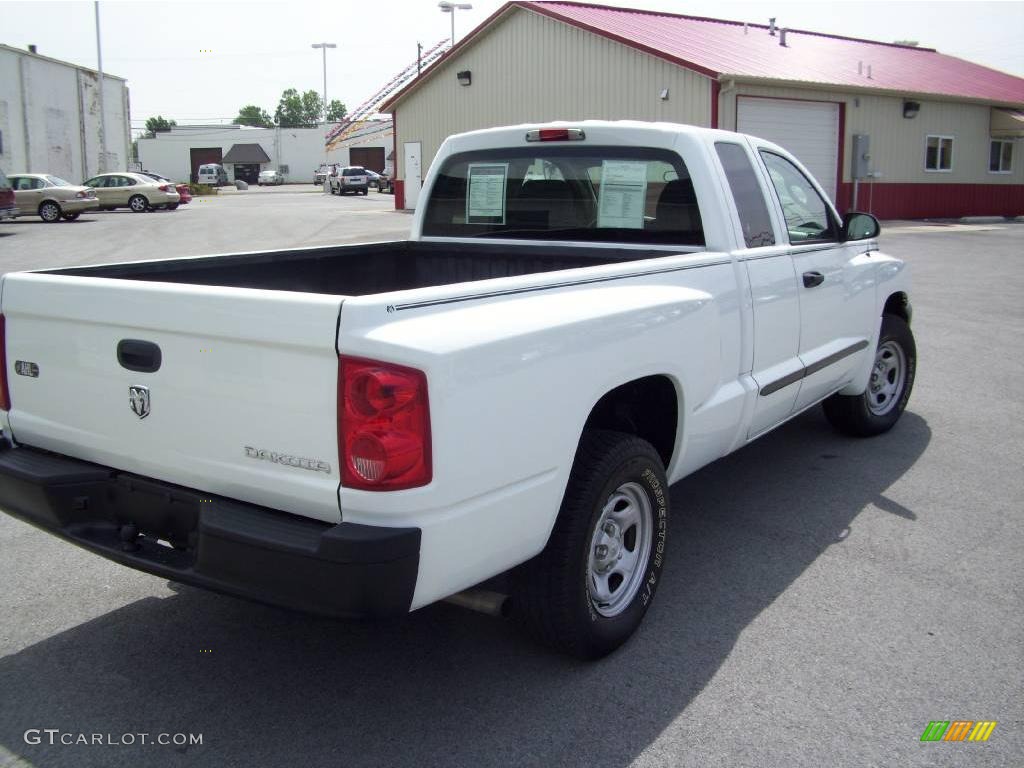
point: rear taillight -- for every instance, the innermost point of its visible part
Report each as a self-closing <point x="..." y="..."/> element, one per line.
<point x="383" y="425"/>
<point x="166" y="188"/>
<point x="5" y="393"/>
<point x="556" y="134"/>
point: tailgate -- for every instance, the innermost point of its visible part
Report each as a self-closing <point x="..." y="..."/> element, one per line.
<point x="243" y="404"/>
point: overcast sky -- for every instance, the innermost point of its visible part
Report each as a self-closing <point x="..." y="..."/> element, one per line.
<point x="201" y="61"/>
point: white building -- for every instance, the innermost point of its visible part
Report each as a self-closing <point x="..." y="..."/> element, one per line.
<point x="245" y="151"/>
<point x="50" y="117"/>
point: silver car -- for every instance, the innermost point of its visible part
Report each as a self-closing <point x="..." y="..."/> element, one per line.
<point x="133" y="190"/>
<point x="50" y="197"/>
<point x="270" y="177"/>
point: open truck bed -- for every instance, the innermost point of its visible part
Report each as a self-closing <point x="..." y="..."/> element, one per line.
<point x="364" y="269"/>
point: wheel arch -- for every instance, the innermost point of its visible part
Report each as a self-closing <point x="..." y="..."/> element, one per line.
<point x="647" y="407"/>
<point x="898" y="303"/>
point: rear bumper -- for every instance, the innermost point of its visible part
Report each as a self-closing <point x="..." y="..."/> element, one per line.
<point x="345" y="570"/>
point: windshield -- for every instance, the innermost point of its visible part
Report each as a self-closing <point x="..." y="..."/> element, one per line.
<point x="557" y="192"/>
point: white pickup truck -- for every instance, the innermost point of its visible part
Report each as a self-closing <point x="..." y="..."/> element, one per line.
<point x="583" y="315"/>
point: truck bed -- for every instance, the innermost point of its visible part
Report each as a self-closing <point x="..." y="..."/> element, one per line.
<point x="364" y="269"/>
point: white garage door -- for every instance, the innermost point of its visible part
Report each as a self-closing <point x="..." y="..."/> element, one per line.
<point x="808" y="129"/>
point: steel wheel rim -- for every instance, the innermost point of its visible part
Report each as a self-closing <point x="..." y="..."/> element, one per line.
<point x="619" y="549"/>
<point x="50" y="212"/>
<point x="887" y="378"/>
<point x="138" y="204"/>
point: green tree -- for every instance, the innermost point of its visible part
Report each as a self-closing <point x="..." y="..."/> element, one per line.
<point x="250" y="114"/>
<point x="312" y="107"/>
<point x="336" y="111"/>
<point x="158" y="124"/>
<point x="296" y="110"/>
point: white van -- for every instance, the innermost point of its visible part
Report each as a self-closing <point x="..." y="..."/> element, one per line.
<point x="213" y="174"/>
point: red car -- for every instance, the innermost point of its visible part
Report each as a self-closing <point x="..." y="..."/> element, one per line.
<point x="181" y="189"/>
<point x="8" y="209"/>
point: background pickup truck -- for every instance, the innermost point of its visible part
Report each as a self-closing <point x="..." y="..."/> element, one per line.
<point x="583" y="315"/>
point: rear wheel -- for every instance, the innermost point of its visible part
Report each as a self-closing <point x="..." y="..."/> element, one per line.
<point x="138" y="204"/>
<point x="892" y="378"/>
<point x="588" y="590"/>
<point x="70" y="216"/>
<point x="49" y="211"/>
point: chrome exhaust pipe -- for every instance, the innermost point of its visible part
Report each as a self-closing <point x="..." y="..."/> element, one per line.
<point x="483" y="601"/>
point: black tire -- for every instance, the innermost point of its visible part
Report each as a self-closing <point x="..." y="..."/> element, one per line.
<point x="172" y="206"/>
<point x="552" y="593"/>
<point x="880" y="406"/>
<point x="138" y="204"/>
<point x="49" y="211"/>
<point x="70" y="216"/>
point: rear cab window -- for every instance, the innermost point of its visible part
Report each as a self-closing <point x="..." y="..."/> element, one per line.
<point x="592" y="194"/>
<point x="747" y="194"/>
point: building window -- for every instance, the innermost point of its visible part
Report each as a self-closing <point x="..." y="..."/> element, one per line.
<point x="938" y="154"/>
<point x="1000" y="157"/>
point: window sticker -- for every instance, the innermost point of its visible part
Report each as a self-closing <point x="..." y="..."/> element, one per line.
<point x="623" y="194"/>
<point x="485" y="202"/>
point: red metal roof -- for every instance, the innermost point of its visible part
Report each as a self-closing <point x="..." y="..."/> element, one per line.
<point x="722" y="48"/>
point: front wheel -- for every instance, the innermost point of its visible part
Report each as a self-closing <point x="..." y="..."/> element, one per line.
<point x="138" y="204"/>
<point x="892" y="378"/>
<point x="70" y="216"/>
<point x="49" y="212"/>
<point x="588" y="590"/>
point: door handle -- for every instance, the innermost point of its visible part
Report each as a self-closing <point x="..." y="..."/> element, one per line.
<point x="137" y="355"/>
<point x="812" y="279"/>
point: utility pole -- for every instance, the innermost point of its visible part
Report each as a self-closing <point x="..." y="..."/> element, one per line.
<point x="103" y="112"/>
<point x="324" y="47"/>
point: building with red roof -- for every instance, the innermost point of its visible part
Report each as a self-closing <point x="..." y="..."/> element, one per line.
<point x="935" y="135"/>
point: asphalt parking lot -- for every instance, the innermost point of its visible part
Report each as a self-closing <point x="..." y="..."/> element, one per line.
<point x="824" y="598"/>
<point x="261" y="218"/>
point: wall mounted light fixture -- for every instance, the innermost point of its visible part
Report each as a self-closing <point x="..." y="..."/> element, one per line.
<point x="465" y="77"/>
<point x="910" y="109"/>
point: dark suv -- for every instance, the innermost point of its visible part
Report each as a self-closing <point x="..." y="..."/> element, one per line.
<point x="352" y="178"/>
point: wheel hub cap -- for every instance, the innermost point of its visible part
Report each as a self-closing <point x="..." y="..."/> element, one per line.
<point x="619" y="549"/>
<point x="887" y="378"/>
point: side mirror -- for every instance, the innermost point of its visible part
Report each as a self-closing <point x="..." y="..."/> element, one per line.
<point x="860" y="226"/>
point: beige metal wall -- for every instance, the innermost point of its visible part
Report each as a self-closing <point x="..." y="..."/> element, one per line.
<point x="898" y="144"/>
<point x="529" y="68"/>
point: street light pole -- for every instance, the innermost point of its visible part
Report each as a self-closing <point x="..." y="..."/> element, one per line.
<point x="325" y="46"/>
<point x="103" y="112"/>
<point x="447" y="7"/>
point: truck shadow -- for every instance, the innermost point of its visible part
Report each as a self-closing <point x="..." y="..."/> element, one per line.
<point x="444" y="686"/>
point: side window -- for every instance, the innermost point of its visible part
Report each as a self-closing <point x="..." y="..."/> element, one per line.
<point x="1000" y="157"/>
<point x="96" y="182"/>
<point x="37" y="183"/>
<point x="125" y="181"/>
<point x="938" y="153"/>
<point x="750" y="202"/>
<point x="807" y="214"/>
